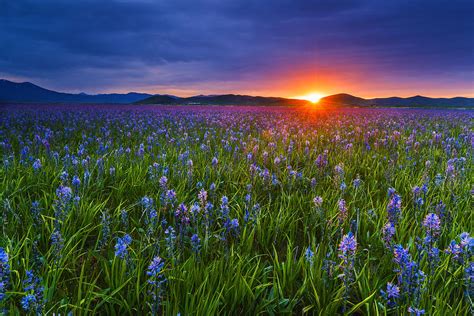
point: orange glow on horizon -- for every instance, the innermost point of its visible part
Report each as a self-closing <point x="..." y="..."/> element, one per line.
<point x="313" y="97"/>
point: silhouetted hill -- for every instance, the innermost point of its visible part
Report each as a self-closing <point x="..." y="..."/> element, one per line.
<point x="343" y="99"/>
<point x="225" y="99"/>
<point x="416" y="101"/>
<point x="28" y="92"/>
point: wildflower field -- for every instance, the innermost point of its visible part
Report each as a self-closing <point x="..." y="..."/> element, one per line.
<point x="235" y="210"/>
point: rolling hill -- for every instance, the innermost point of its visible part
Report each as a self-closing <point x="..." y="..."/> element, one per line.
<point x="27" y="92"/>
<point x="225" y="99"/>
<point x="416" y="101"/>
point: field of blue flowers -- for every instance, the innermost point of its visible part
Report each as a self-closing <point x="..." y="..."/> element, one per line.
<point x="228" y="210"/>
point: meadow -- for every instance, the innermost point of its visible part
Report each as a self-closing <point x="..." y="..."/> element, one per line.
<point x="235" y="210"/>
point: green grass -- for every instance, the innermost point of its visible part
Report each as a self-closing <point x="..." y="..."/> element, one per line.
<point x="262" y="270"/>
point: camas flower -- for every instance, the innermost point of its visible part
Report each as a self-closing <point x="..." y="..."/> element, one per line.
<point x="342" y="215"/>
<point x="410" y="278"/>
<point x="347" y="248"/>
<point x="156" y="280"/>
<point x="432" y="224"/>
<point x="4" y="273"/>
<point x="394" y="208"/>
<point x="33" y="301"/>
<point x="309" y="255"/>
<point x="64" y="194"/>
<point x="318" y="201"/>
<point x="391" y="294"/>
<point x="388" y="232"/>
<point x="195" y="243"/>
<point x="121" y="247"/>
<point x="37" y="165"/>
<point x="28" y="303"/>
<point x="76" y="182"/>
<point x="416" y="311"/>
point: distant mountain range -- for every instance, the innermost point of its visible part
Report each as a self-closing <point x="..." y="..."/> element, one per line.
<point x="224" y="99"/>
<point x="27" y="92"/>
<point x="343" y="99"/>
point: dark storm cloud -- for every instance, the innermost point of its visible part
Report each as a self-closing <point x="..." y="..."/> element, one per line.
<point x="95" y="45"/>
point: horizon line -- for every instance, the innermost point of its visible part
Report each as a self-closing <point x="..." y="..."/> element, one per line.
<point x="323" y="95"/>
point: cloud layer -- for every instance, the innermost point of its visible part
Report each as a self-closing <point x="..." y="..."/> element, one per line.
<point x="262" y="47"/>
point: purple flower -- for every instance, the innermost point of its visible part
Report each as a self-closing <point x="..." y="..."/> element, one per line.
<point x="202" y="196"/>
<point x="347" y="247"/>
<point x="432" y="224"/>
<point x="342" y="216"/>
<point x="455" y="250"/>
<point x="394" y="208"/>
<point x="163" y="183"/>
<point x="356" y="182"/>
<point x="318" y="201"/>
<point x="388" y="232"/>
<point x="347" y="250"/>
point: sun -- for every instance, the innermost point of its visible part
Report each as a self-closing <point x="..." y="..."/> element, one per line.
<point x="312" y="97"/>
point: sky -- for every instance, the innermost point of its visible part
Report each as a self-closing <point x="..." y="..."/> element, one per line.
<point x="289" y="48"/>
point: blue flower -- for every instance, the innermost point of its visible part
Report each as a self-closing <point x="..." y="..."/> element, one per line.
<point x="34" y="298"/>
<point x="394" y="208"/>
<point x="37" y="165"/>
<point x="391" y="294"/>
<point x="195" y="243"/>
<point x="410" y="278"/>
<point x="121" y="247"/>
<point x="356" y="182"/>
<point x="76" y="182"/>
<point x="35" y="211"/>
<point x="309" y="255"/>
<point x="57" y="240"/>
<point x="156" y="279"/>
<point x="4" y="273"/>
<point x="64" y="194"/>
<point x="416" y="311"/>
<point x="28" y="303"/>
<point x="124" y="218"/>
<point x="170" y="240"/>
